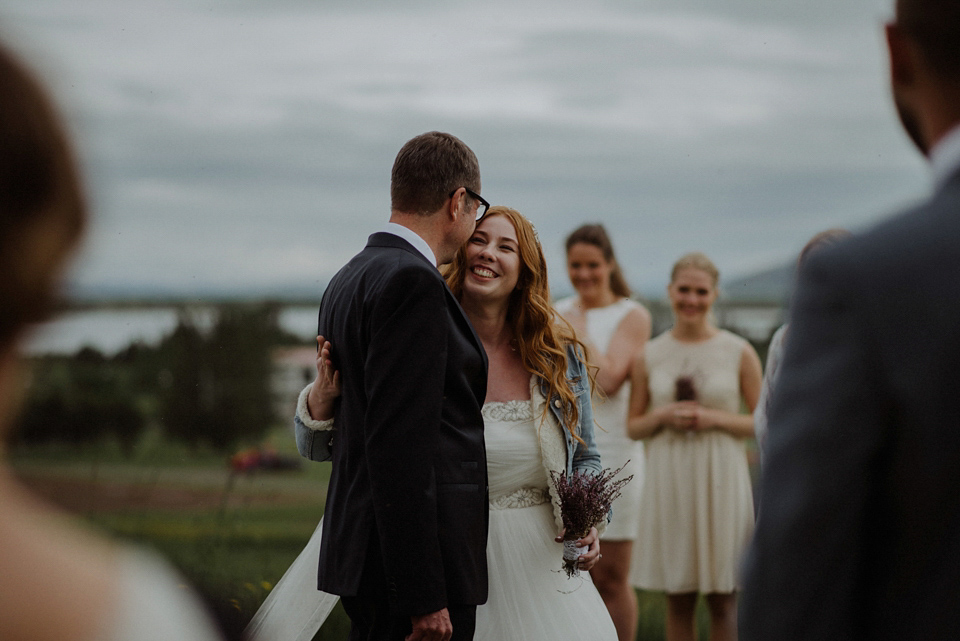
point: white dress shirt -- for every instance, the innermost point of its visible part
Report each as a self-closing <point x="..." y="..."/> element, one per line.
<point x="945" y="157"/>
<point x="411" y="237"/>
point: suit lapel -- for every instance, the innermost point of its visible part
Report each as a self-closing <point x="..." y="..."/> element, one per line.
<point x="466" y="322"/>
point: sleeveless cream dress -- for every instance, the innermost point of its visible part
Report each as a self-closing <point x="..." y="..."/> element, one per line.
<point x="610" y="415"/>
<point x="697" y="501"/>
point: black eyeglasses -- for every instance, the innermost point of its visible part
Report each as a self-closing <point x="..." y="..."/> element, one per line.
<point x="481" y="208"/>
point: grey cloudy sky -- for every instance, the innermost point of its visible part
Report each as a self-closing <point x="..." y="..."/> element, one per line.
<point x="246" y="145"/>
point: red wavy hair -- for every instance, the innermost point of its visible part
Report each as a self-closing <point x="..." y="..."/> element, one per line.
<point x="541" y="335"/>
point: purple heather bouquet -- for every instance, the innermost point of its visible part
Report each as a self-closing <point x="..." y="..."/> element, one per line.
<point x="585" y="500"/>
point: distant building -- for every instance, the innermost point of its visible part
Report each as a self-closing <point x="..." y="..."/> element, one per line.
<point x="293" y="368"/>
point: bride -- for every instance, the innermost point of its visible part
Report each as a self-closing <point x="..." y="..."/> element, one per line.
<point x="537" y="419"/>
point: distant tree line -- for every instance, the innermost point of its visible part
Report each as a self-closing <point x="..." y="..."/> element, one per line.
<point x="205" y="383"/>
<point x="201" y="385"/>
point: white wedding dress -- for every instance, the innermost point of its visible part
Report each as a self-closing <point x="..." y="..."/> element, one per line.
<point x="295" y="609"/>
<point x="530" y="596"/>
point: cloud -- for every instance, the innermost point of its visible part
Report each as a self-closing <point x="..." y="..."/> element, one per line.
<point x="249" y="144"/>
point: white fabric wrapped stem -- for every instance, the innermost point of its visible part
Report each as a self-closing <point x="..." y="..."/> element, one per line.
<point x="572" y="552"/>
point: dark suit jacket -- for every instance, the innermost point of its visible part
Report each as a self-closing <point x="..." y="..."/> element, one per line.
<point x="406" y="508"/>
<point x="858" y="534"/>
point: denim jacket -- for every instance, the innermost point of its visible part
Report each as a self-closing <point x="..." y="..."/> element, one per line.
<point x="579" y="456"/>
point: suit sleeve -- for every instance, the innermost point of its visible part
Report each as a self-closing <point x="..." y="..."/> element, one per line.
<point x="404" y="379"/>
<point x="829" y="425"/>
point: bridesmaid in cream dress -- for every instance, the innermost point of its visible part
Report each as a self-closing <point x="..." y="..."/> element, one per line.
<point x="697" y="500"/>
<point x="614" y="329"/>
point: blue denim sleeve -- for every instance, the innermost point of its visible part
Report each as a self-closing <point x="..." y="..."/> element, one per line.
<point x="316" y="445"/>
<point x="585" y="456"/>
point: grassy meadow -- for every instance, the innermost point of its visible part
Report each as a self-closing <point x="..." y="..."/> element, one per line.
<point x="231" y="535"/>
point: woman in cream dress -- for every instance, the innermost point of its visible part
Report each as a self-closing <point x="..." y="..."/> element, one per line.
<point x="614" y="328"/>
<point x="697" y="501"/>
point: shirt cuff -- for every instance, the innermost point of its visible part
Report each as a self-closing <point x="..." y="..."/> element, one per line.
<point x="304" y="413"/>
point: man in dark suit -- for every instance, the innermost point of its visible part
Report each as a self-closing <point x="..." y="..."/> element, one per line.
<point x="859" y="529"/>
<point x="404" y="540"/>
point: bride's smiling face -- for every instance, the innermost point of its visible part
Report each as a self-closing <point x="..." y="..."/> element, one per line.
<point x="493" y="260"/>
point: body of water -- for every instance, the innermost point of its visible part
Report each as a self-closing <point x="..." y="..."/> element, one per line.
<point x="110" y="330"/>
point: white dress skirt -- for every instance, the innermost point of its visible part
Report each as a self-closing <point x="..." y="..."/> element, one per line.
<point x="530" y="595"/>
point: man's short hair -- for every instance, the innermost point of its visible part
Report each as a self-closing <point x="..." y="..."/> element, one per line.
<point x="427" y="169"/>
<point x="935" y="26"/>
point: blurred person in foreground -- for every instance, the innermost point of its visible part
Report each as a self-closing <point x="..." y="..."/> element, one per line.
<point x="689" y="385"/>
<point x="859" y="533"/>
<point x="57" y="580"/>
<point x="614" y="329"/>
<point x="775" y="350"/>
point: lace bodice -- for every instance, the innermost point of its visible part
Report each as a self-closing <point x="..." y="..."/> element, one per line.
<point x="511" y="411"/>
<point x="514" y="467"/>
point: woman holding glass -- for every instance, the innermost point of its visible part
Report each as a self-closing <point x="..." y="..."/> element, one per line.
<point x="689" y="386"/>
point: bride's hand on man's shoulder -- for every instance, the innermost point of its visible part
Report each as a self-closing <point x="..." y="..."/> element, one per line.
<point x="326" y="387"/>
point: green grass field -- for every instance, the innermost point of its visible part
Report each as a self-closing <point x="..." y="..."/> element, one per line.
<point x="232" y="538"/>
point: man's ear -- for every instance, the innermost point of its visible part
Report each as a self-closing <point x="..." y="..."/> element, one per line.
<point x="456" y="204"/>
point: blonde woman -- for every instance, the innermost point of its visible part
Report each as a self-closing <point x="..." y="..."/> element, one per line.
<point x="697" y="501"/>
<point x="538" y="419"/>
